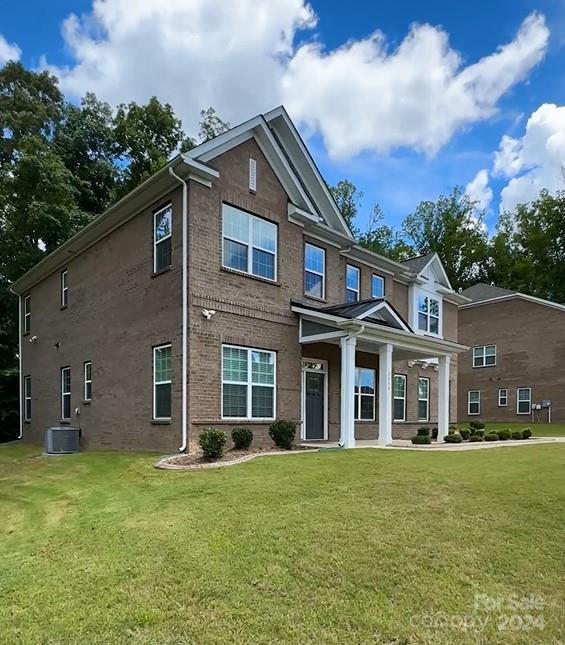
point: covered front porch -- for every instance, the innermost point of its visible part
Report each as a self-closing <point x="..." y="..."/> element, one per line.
<point x="370" y="334"/>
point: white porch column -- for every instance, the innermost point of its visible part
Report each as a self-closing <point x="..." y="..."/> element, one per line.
<point x="385" y="394"/>
<point x="443" y="398"/>
<point x="347" y="417"/>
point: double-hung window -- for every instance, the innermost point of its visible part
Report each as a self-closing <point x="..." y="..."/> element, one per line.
<point x="484" y="356"/>
<point x="352" y="279"/>
<point x="428" y="314"/>
<point x="64" y="288"/>
<point x="162" y="238"/>
<point x="65" y="393"/>
<point x="423" y="399"/>
<point x="502" y="398"/>
<point x="377" y="286"/>
<point x="27" y="398"/>
<point x="88" y="381"/>
<point x="162" y="373"/>
<point x="399" y="397"/>
<point x="474" y="402"/>
<point x="27" y="314"/>
<point x="523" y="400"/>
<point x="364" y="394"/>
<point x="249" y="243"/>
<point x="314" y="271"/>
<point x="248" y="383"/>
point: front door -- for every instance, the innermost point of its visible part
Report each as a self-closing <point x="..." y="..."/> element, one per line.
<point x="314" y="400"/>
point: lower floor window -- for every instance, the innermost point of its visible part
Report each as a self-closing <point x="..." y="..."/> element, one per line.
<point x="27" y="398"/>
<point x="248" y="383"/>
<point x="502" y="398"/>
<point x="524" y="400"/>
<point x="65" y="393"/>
<point x="364" y="394"/>
<point x="162" y="382"/>
<point x="474" y="402"/>
<point x="399" y="397"/>
<point x="423" y="399"/>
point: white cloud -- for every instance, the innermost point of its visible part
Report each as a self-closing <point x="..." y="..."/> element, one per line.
<point x="534" y="161"/>
<point x="241" y="57"/>
<point x="479" y="191"/>
<point x="8" y="51"/>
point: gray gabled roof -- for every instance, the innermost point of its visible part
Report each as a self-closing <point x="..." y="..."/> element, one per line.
<point x="418" y="263"/>
<point x="483" y="291"/>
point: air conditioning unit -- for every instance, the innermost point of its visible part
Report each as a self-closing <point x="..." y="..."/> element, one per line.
<point x="62" y="441"/>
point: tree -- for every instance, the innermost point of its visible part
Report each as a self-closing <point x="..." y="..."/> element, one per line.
<point x="383" y="239"/>
<point x="348" y="199"/>
<point x="211" y="125"/>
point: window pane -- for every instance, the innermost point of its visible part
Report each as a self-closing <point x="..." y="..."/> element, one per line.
<point x="479" y="361"/>
<point x="434" y="307"/>
<point x="88" y="371"/>
<point x="263" y="264"/>
<point x="423" y="384"/>
<point x="234" y="400"/>
<point x="377" y="287"/>
<point x="423" y="304"/>
<point x="474" y="397"/>
<point x="365" y="380"/>
<point x="264" y="235"/>
<point x="473" y="408"/>
<point x="477" y="351"/>
<point x="66" y="380"/>
<point x="162" y="364"/>
<point x="235" y="255"/>
<point x="490" y="350"/>
<point x="434" y="325"/>
<point x="263" y="368"/>
<point x="235" y="364"/>
<point x="262" y="402"/>
<point x="66" y="406"/>
<point x="367" y="405"/>
<point x="422" y="410"/>
<point x="352" y="278"/>
<point x="236" y="224"/>
<point x="314" y="258"/>
<point x="163" y="401"/>
<point x="398" y="409"/>
<point x="423" y="322"/>
<point x="523" y="407"/>
<point x="399" y="386"/>
<point x="163" y="254"/>
<point x="351" y="296"/>
<point x="313" y="285"/>
<point x="163" y="221"/>
<point x="490" y="360"/>
<point x="88" y="391"/>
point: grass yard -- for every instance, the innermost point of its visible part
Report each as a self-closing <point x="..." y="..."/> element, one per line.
<point x="539" y="429"/>
<point x="359" y="546"/>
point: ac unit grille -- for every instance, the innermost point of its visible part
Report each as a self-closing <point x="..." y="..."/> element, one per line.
<point x="61" y="441"/>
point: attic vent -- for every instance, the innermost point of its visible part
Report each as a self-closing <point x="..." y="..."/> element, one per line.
<point x="252" y="174"/>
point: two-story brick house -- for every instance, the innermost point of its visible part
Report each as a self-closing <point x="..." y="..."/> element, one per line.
<point x="514" y="369"/>
<point x="228" y="290"/>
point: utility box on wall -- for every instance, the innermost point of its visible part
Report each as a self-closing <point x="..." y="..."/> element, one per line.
<point x="62" y="440"/>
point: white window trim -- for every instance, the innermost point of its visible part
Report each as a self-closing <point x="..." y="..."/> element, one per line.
<point x="249" y="384"/>
<point x="64" y="288"/>
<point x="478" y="402"/>
<point x="64" y="393"/>
<point x="322" y="275"/>
<point x="357" y="396"/>
<point x="27" y="397"/>
<point x="518" y="400"/>
<point x="163" y="239"/>
<point x="252" y="174"/>
<point x="484" y="356"/>
<point x="382" y="281"/>
<point x="250" y="246"/>
<point x="87" y="381"/>
<point x="500" y="397"/>
<point x="398" y="398"/>
<point x="155" y="382"/>
<point x="429" y="316"/>
<point x="348" y="288"/>
<point x="27" y="314"/>
<point x="427" y="400"/>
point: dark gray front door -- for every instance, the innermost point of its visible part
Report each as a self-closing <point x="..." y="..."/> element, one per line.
<point x="315" y="405"/>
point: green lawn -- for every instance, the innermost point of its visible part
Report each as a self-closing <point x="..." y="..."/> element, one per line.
<point x="539" y="429"/>
<point x="359" y="546"/>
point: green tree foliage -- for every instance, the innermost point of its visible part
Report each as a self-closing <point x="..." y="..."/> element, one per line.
<point x="211" y="125"/>
<point x="348" y="199"/>
<point x="384" y="239"/>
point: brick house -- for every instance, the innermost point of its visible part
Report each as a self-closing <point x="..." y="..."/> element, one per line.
<point x="514" y="369"/>
<point x="228" y="290"/>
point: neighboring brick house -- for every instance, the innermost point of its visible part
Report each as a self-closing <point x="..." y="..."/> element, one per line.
<point x="144" y="330"/>
<point x="516" y="360"/>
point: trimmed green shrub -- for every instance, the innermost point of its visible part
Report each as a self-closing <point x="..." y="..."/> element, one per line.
<point x="475" y="437"/>
<point x="526" y="433"/>
<point x="421" y="439"/>
<point x="242" y="438"/>
<point x="491" y="436"/>
<point x="282" y="432"/>
<point x="517" y="434"/>
<point x="477" y="432"/>
<point x="212" y="442"/>
<point x="504" y="434"/>
<point x="465" y="432"/>
<point x="423" y="431"/>
<point x="477" y="425"/>
<point x="453" y="438"/>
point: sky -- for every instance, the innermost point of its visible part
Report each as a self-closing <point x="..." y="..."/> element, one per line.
<point x="406" y="99"/>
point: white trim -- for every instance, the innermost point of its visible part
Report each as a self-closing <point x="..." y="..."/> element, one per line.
<point x="426" y="419"/>
<point x="249" y="384"/>
<point x="348" y="288"/>
<point x="510" y="296"/>
<point x="27" y="397"/>
<point x="87" y="381"/>
<point x="27" y="314"/>
<point x="323" y="371"/>
<point x="65" y="393"/>
<point x="398" y="398"/>
<point x="478" y="402"/>
<point x="357" y="395"/>
<point x="20" y="374"/>
<point x="436" y="259"/>
<point x="500" y="397"/>
<point x="321" y="338"/>
<point x="484" y="356"/>
<point x="529" y="400"/>
<point x="387" y="307"/>
<point x="155" y="382"/>
<point x="430" y="296"/>
<point x="322" y="275"/>
<point x="64" y="288"/>
<point x="383" y="283"/>
<point x="169" y="236"/>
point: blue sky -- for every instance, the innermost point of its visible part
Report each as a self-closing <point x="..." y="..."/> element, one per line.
<point x="397" y="176"/>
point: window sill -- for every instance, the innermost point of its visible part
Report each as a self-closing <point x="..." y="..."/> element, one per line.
<point x="315" y="298"/>
<point x="65" y="422"/>
<point x="161" y="422"/>
<point x="250" y="276"/>
<point x="27" y="422"/>
<point x="86" y="402"/>
<point x="482" y="367"/>
<point x="63" y="307"/>
<point x="161" y="271"/>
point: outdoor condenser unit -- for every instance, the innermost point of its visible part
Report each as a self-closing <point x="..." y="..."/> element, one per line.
<point x="62" y="441"/>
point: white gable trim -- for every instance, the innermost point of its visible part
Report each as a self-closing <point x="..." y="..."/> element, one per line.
<point x="438" y="264"/>
<point x="520" y="296"/>
<point x="390" y="312"/>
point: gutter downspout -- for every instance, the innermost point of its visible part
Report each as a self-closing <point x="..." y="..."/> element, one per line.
<point x="350" y="336"/>
<point x="184" y="433"/>
<point x="20" y="379"/>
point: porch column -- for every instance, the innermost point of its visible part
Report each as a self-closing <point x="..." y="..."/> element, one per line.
<point x="348" y="345"/>
<point x="385" y="394"/>
<point x="443" y="398"/>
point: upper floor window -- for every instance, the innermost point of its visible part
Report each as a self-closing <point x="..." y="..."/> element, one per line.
<point x="27" y="398"/>
<point x="502" y="398"/>
<point x="352" y="278"/>
<point x="377" y="286"/>
<point x="399" y="397"/>
<point x="162" y="377"/>
<point x="364" y="394"/>
<point x="162" y="238"/>
<point x="428" y="314"/>
<point x="252" y="174"/>
<point x="474" y="402"/>
<point x="64" y="288"/>
<point x="65" y="393"/>
<point x="484" y="356"/>
<point x="523" y="400"/>
<point x="314" y="271"/>
<point x="250" y="243"/>
<point x="27" y="314"/>
<point x="423" y="399"/>
<point x="88" y="381"/>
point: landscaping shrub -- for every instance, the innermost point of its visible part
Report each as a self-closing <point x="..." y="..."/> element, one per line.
<point x="477" y="425"/>
<point x="504" y="434"/>
<point x="465" y="432"/>
<point x="491" y="436"/>
<point x="423" y="431"/>
<point x="212" y="442"/>
<point x="434" y="433"/>
<point x="242" y="438"/>
<point x="477" y="432"/>
<point x="526" y="433"/>
<point x="517" y="434"/>
<point x="475" y="437"/>
<point x="421" y="439"/>
<point x="453" y="438"/>
<point x="282" y="433"/>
